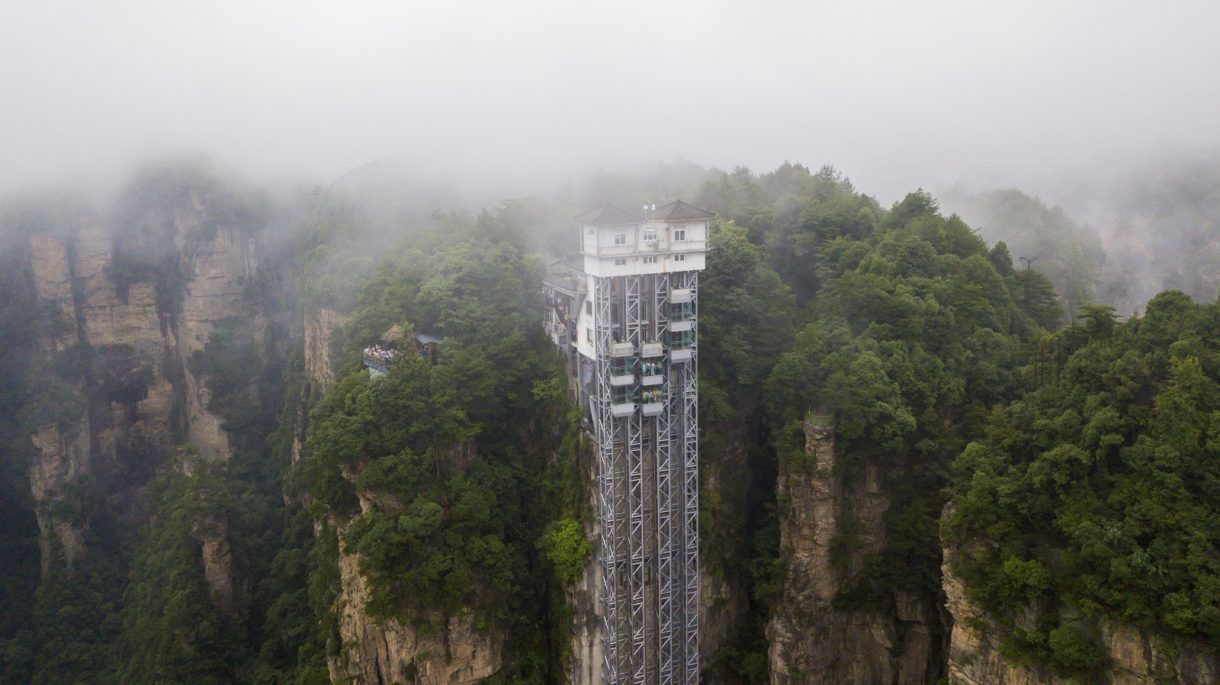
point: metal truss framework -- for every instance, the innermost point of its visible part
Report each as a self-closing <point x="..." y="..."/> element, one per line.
<point x="648" y="492"/>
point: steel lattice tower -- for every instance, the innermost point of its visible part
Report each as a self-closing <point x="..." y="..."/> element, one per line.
<point x="638" y="371"/>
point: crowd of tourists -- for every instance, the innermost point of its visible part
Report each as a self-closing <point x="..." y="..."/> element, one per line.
<point x="379" y="354"/>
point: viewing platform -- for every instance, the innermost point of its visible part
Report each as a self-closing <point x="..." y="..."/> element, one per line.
<point x="377" y="360"/>
<point x="378" y="357"/>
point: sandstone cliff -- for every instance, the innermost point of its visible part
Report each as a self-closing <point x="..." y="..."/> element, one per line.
<point x="319" y="325"/>
<point x="810" y="640"/>
<point x="124" y="345"/>
<point x="62" y="459"/>
<point x="384" y="652"/>
<point x="381" y="652"/>
<point x="584" y="602"/>
<point x="1134" y="656"/>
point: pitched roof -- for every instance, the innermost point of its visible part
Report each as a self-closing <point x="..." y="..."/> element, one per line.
<point x="609" y="215"/>
<point x="393" y="334"/>
<point x="680" y="211"/>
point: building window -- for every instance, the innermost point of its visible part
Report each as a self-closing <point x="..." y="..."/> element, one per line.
<point x="650" y="260"/>
<point x="650" y="235"/>
<point x="620" y="262"/>
<point x="680" y="234"/>
<point x="620" y="238"/>
<point x="589" y="335"/>
<point x="679" y="258"/>
<point x="588" y="307"/>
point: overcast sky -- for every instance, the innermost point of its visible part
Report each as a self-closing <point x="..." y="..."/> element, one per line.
<point x="895" y="94"/>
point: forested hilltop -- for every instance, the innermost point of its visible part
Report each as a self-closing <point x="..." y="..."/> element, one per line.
<point x="919" y="460"/>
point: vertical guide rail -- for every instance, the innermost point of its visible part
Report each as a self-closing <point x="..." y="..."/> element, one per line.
<point x="635" y="494"/>
<point x="690" y="427"/>
<point x="606" y="482"/>
<point x="668" y="593"/>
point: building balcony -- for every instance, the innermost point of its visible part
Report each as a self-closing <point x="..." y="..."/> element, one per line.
<point x="645" y="247"/>
<point x="377" y="359"/>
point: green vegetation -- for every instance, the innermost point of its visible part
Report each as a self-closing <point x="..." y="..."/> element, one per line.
<point x="1096" y="492"/>
<point x="172" y="630"/>
<point x="1081" y="463"/>
<point x="906" y="330"/>
<point x="451" y="456"/>
<point x="1070" y="255"/>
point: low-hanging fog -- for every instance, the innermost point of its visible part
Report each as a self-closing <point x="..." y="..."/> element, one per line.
<point x="1075" y="103"/>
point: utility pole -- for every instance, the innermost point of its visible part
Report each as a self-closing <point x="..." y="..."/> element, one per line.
<point x="1025" y="289"/>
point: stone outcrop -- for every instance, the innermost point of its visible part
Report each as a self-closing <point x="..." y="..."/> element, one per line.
<point x="51" y="273"/>
<point x="384" y="652"/>
<point x="219" y="273"/>
<point x="1134" y="656"/>
<point x="586" y="644"/>
<point x="129" y="346"/>
<point x="62" y="460"/>
<point x="810" y="640"/>
<point x="219" y="570"/>
<point x="374" y="651"/>
<point x="584" y="600"/>
<point x="319" y="325"/>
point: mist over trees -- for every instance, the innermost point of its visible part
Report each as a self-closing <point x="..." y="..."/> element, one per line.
<point x="962" y="292"/>
<point x="945" y="364"/>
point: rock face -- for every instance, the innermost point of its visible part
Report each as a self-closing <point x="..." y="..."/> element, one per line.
<point x="319" y="324"/>
<point x="1135" y="656"/>
<point x="385" y="652"/>
<point x="811" y="641"/>
<point x="381" y="652"/>
<point x="218" y="567"/>
<point x="63" y="458"/>
<point x="127" y="346"/>
<point x="584" y="600"/>
<point x="586" y="643"/>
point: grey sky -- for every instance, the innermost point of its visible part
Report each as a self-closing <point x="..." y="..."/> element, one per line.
<point x="895" y="94"/>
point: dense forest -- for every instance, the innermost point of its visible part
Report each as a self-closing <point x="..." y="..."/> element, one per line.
<point x="217" y="492"/>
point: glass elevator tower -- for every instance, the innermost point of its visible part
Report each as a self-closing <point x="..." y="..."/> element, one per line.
<point x="637" y="353"/>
